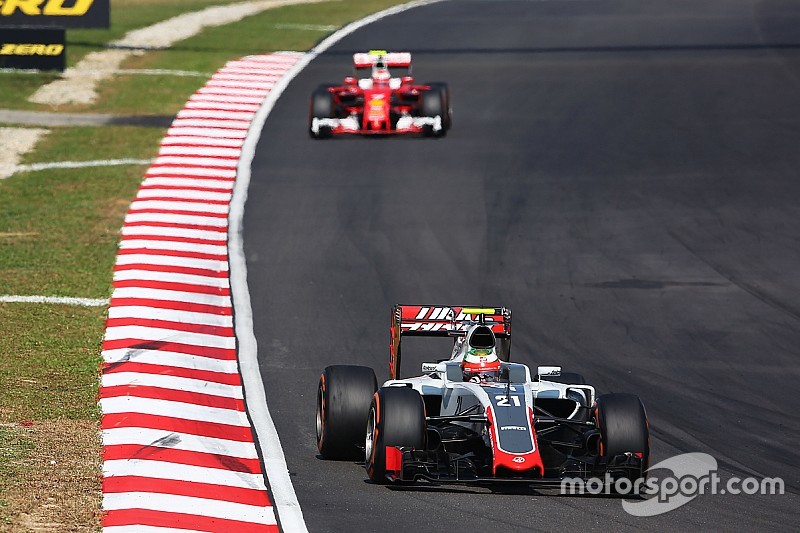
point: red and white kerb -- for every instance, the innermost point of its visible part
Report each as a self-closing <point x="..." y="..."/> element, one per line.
<point x="178" y="449"/>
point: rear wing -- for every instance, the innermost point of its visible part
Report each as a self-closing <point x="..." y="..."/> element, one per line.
<point x="445" y="321"/>
<point x="392" y="59"/>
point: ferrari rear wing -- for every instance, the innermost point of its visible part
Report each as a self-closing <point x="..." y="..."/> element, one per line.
<point x="392" y="59"/>
<point x="444" y="321"/>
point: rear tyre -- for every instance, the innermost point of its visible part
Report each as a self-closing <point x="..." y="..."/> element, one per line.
<point x="322" y="106"/>
<point x="396" y="418"/>
<point x="343" y="399"/>
<point x="622" y="422"/>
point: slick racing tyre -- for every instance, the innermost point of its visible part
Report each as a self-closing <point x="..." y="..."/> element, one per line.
<point x="322" y="106"/>
<point x="622" y="422"/>
<point x="343" y="399"/>
<point x="432" y="103"/>
<point x="447" y="116"/>
<point x="396" y="418"/>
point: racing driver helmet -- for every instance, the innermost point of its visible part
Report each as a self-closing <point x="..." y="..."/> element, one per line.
<point x="380" y="72"/>
<point x="480" y="363"/>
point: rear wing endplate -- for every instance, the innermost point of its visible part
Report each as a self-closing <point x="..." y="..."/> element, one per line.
<point x="442" y="321"/>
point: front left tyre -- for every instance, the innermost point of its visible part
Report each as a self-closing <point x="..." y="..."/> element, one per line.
<point x="435" y="102"/>
<point x="396" y="418"/>
<point x="343" y="401"/>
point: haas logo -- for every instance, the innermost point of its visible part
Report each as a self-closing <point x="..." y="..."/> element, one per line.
<point x="518" y="459"/>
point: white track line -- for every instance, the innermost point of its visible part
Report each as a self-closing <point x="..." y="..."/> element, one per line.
<point x="284" y="497"/>
<point x="66" y="300"/>
<point x="81" y="164"/>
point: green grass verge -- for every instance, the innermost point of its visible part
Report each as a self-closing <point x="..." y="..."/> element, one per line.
<point x="56" y="354"/>
<point x="59" y="230"/>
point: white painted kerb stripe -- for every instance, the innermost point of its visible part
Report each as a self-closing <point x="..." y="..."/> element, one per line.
<point x="180" y="472"/>
<point x="172" y="296"/>
<point x="114" y="333"/>
<point x="172" y="277"/>
<point x="165" y="358"/>
<point x="187" y="442"/>
<point x="186" y="411"/>
<point x="185" y="504"/>
<point x="142" y="379"/>
<point x="143" y="529"/>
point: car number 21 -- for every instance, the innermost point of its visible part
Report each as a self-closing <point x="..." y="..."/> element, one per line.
<point x="503" y="401"/>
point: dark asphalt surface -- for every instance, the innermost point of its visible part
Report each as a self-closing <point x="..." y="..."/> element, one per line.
<point x="624" y="175"/>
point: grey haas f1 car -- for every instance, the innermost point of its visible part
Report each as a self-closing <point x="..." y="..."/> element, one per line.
<point x="477" y="418"/>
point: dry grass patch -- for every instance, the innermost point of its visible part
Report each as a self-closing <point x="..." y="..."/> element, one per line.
<point x="50" y="484"/>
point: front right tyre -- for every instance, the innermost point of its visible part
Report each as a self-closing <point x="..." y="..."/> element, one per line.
<point x="622" y="422"/>
<point x="322" y="105"/>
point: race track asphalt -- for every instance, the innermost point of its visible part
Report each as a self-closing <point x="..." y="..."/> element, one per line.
<point x="623" y="174"/>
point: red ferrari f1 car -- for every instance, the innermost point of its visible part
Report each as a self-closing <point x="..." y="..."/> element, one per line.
<point x="475" y="417"/>
<point x="380" y="103"/>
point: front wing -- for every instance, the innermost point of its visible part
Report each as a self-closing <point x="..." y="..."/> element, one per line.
<point x="410" y="465"/>
<point x="351" y="126"/>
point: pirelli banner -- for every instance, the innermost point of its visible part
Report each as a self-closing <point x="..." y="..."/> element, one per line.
<point x="54" y="14"/>
<point x="33" y="48"/>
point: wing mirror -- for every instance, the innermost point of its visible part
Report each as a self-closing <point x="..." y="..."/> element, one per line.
<point x="350" y="80"/>
<point x="407" y="80"/>
<point x="548" y="371"/>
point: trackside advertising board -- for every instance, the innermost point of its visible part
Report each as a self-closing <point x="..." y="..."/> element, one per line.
<point x="54" y="14"/>
<point x="33" y="48"/>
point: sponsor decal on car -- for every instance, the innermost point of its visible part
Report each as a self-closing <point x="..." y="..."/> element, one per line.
<point x="376" y="111"/>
